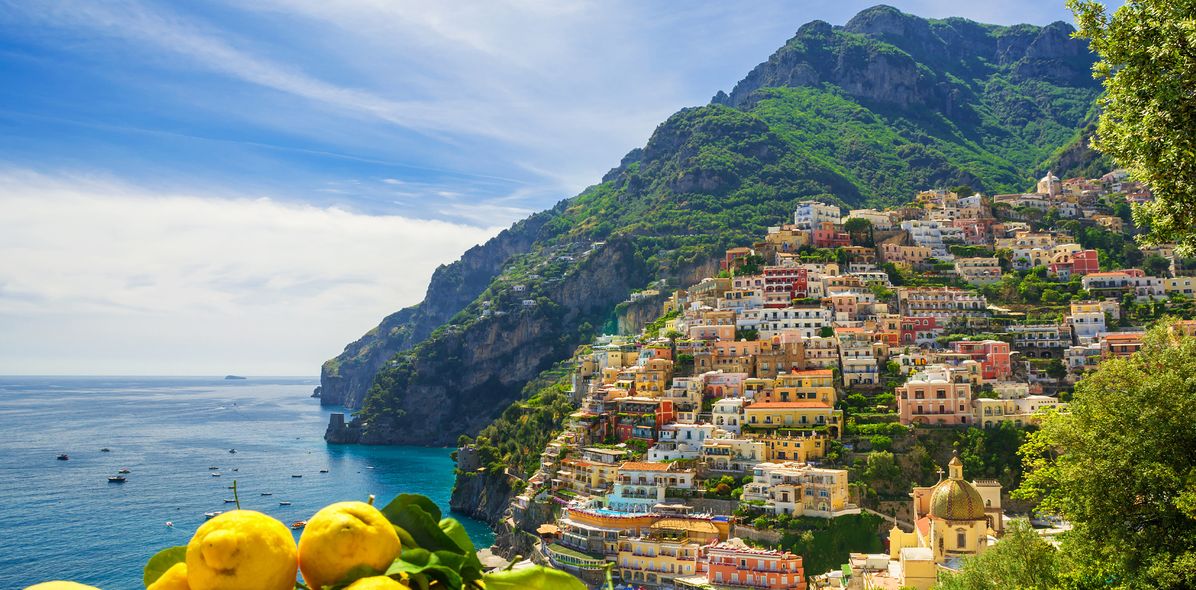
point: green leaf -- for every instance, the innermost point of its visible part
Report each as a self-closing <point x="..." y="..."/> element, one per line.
<point x="532" y="578"/>
<point x="403" y="500"/>
<point x="453" y="528"/>
<point x="162" y="561"/>
<point x="421" y="562"/>
<point x="420" y="525"/>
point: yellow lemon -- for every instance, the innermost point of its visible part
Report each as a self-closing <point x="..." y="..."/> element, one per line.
<point x="61" y="585"/>
<point x="342" y="537"/>
<point x="377" y="583"/>
<point x="241" y="549"/>
<point x="174" y="578"/>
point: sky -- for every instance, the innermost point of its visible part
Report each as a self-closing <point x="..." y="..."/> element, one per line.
<point x="217" y="187"/>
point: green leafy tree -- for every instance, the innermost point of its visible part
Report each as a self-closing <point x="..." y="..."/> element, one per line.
<point x="1147" y="123"/>
<point x="860" y="230"/>
<point x="1120" y="465"/>
<point x="1022" y="560"/>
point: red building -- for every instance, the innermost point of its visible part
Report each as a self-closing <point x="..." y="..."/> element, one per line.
<point x="827" y="236"/>
<point x="783" y="284"/>
<point x="642" y="418"/>
<point x="919" y="330"/>
<point x="993" y="356"/>
<point x="733" y="564"/>
<point x="1084" y="262"/>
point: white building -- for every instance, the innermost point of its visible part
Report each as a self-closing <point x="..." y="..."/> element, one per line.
<point x="806" y="321"/>
<point x="810" y="215"/>
<point x="680" y="441"/>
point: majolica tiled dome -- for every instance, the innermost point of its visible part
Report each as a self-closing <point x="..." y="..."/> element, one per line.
<point x="956" y="499"/>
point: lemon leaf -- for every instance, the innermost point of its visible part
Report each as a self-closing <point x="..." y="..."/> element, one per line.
<point x="532" y="578"/>
<point x="453" y="528"/>
<point x="402" y="501"/>
<point x="421" y="562"/>
<point x="162" y="561"/>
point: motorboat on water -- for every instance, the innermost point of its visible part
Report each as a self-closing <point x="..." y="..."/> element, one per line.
<point x="64" y="457"/>
<point x="215" y="474"/>
<point x="267" y="493"/>
<point x="298" y="524"/>
<point x="105" y="450"/>
<point x="232" y="451"/>
<point x="296" y="476"/>
<point x="229" y="500"/>
<point x="323" y="471"/>
<point x="212" y="468"/>
<point x="284" y="503"/>
<point x="212" y="514"/>
<point x="116" y="479"/>
<point x="124" y="470"/>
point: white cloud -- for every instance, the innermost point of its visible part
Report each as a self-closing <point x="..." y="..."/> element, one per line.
<point x="97" y="276"/>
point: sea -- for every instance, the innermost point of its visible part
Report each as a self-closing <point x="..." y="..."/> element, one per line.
<point x="65" y="520"/>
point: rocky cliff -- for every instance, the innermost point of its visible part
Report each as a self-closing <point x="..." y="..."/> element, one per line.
<point x="345" y="379"/>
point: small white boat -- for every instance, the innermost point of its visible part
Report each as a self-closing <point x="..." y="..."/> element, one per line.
<point x="170" y="524"/>
<point x="116" y="479"/>
<point x="215" y="474"/>
<point x="229" y="500"/>
<point x="213" y="468"/>
<point x="124" y="470"/>
<point x="284" y="503"/>
<point x="212" y="514"/>
<point x="267" y="493"/>
<point x="323" y="471"/>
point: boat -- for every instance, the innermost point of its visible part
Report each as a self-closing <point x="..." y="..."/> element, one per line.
<point x="170" y="524"/>
<point x="64" y="457"/>
<point x="323" y="471"/>
<point x="124" y="470"/>
<point x="212" y="468"/>
<point x="116" y="479"/>
<point x="232" y="451"/>
<point x="296" y="476"/>
<point x="229" y="500"/>
<point x="215" y="474"/>
<point x="235" y="469"/>
<point x="212" y="514"/>
<point x="284" y="503"/>
<point x="267" y="494"/>
<point x="105" y="450"/>
<point x="232" y="486"/>
<point x="298" y="524"/>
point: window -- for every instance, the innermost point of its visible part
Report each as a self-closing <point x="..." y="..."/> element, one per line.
<point x="961" y="539"/>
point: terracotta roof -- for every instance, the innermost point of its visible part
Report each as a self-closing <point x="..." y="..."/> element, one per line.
<point x="686" y="524"/>
<point x="787" y="405"/>
<point x="643" y="466"/>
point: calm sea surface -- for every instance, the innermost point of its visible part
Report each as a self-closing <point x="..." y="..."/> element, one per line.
<point x="64" y="520"/>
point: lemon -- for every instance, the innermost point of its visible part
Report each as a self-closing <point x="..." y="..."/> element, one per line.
<point x="377" y="583"/>
<point x="241" y="549"/>
<point x="61" y="585"/>
<point x="342" y="537"/>
<point x="174" y="578"/>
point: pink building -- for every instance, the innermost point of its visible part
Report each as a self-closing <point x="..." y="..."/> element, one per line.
<point x="827" y="236"/>
<point x="733" y="564"/>
<point x="933" y="396"/>
<point x="993" y="356"/>
<point x="919" y="330"/>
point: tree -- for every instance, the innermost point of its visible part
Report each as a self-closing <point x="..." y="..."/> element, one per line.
<point x="1147" y="123"/>
<point x="1120" y="465"/>
<point x="1156" y="266"/>
<point x="1022" y="560"/>
<point x="860" y="230"/>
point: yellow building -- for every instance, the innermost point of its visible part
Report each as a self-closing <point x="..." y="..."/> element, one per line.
<point x="798" y="415"/>
<point x="670" y="549"/>
<point x="816" y="385"/>
<point x="586" y="477"/>
<point x="653" y="378"/>
<point x="802" y="448"/>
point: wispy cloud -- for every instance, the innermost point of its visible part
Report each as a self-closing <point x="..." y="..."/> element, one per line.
<point x="250" y="269"/>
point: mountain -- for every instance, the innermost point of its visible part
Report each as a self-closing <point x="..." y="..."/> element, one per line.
<point x="865" y="113"/>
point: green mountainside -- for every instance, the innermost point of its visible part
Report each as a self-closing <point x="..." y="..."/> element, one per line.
<point x="864" y="114"/>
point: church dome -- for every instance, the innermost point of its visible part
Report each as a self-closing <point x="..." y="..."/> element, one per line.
<point x="956" y="499"/>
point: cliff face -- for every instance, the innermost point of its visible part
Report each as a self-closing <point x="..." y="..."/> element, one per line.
<point x="345" y="379"/>
<point x="461" y="379"/>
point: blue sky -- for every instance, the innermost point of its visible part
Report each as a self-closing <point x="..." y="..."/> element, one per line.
<point x="245" y="187"/>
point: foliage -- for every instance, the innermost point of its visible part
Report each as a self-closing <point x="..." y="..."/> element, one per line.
<point x="1120" y="465"/>
<point x="517" y="436"/>
<point x="1022" y="560"/>
<point x="824" y="543"/>
<point x="1147" y="124"/>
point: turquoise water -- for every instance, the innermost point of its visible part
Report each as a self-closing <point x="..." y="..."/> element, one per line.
<point x="64" y="520"/>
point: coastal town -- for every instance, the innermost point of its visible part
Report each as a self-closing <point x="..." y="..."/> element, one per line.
<point x="774" y="404"/>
